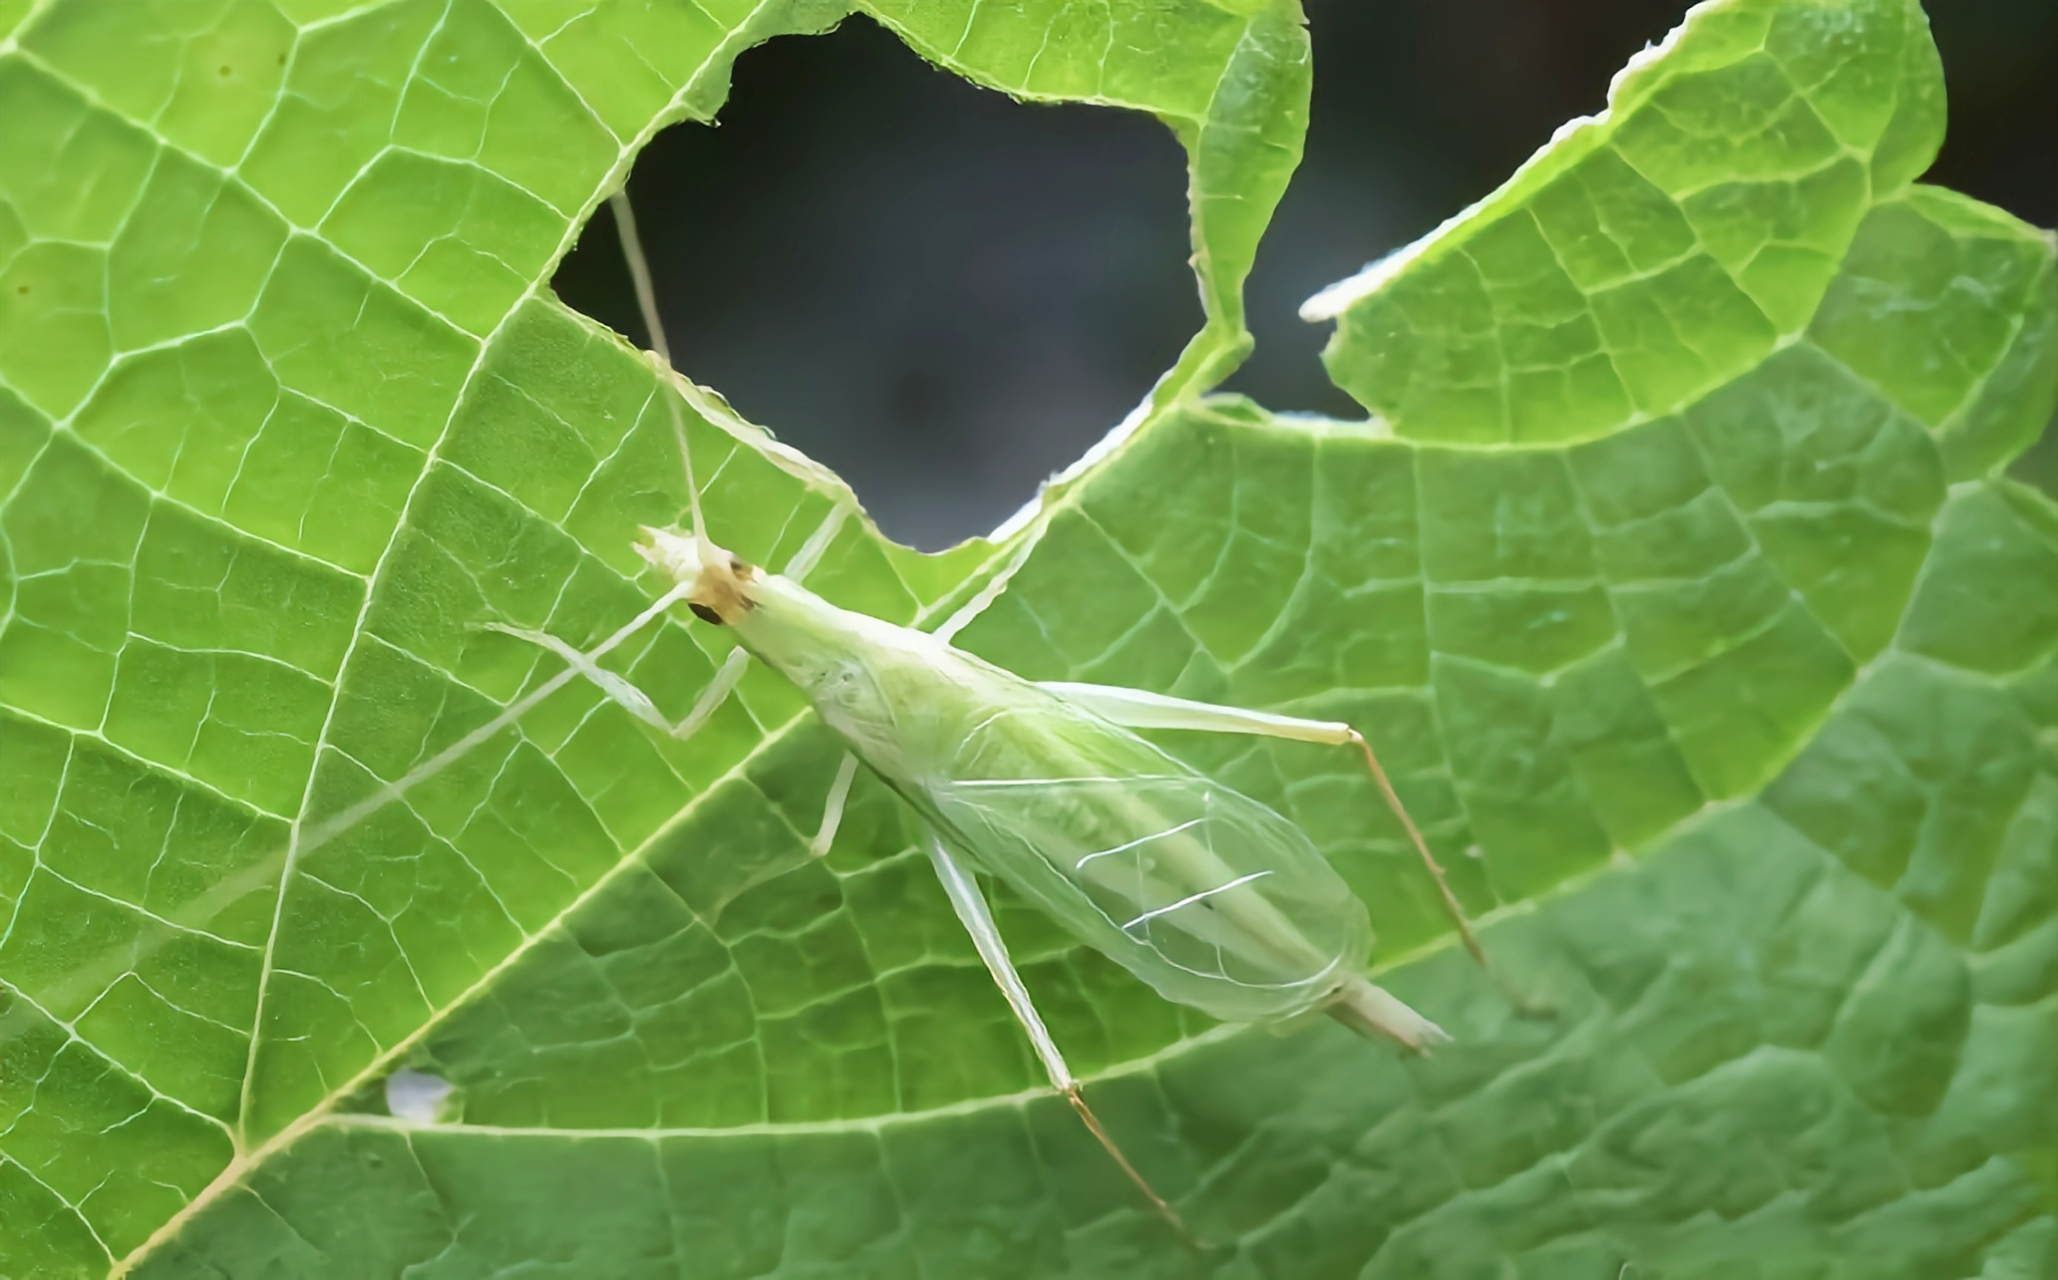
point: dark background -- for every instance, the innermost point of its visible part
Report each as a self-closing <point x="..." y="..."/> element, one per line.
<point x="946" y="295"/>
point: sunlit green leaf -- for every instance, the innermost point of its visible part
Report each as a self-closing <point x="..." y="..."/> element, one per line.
<point x="1674" y="580"/>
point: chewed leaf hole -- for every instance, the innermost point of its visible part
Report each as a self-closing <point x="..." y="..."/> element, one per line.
<point x="940" y="293"/>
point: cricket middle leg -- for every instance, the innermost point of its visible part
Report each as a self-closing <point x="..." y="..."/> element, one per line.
<point x="977" y="918"/>
<point x="832" y="808"/>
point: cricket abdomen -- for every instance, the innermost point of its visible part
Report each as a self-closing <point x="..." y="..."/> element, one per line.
<point x="1209" y="896"/>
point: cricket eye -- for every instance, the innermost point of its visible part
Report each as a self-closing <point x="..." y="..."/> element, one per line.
<point x="704" y="613"/>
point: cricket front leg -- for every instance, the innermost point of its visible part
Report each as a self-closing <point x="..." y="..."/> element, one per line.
<point x="973" y="913"/>
<point x="628" y="696"/>
<point x="1137" y="709"/>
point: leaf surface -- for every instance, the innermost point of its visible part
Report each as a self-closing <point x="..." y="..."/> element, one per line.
<point x="1674" y="580"/>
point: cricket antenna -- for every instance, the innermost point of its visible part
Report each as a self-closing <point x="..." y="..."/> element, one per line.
<point x="646" y="301"/>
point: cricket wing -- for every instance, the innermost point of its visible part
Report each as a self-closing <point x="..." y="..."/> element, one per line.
<point x="1207" y="895"/>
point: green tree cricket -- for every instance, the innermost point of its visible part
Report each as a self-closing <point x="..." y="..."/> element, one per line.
<point x="1210" y="897"/>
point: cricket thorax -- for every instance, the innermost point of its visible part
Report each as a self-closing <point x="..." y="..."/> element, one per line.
<point x="717" y="583"/>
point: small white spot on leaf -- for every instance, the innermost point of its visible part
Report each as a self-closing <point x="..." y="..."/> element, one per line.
<point x="416" y="1096"/>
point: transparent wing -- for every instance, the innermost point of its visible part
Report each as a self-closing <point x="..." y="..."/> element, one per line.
<point x="1206" y="894"/>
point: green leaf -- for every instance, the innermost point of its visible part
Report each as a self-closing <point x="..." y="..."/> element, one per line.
<point x="1675" y="581"/>
<point x="286" y="412"/>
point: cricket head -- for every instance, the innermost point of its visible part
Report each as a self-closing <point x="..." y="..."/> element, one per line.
<point x="716" y="582"/>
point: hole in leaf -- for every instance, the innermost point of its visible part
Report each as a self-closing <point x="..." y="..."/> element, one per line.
<point x="941" y="293"/>
<point x="1417" y="111"/>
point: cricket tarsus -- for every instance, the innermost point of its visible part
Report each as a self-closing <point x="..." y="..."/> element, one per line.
<point x="1443" y="884"/>
<point x="1525" y="1006"/>
<point x="977" y="918"/>
<point x="1077" y="1098"/>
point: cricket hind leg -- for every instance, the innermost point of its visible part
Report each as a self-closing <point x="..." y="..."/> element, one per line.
<point x="973" y="913"/>
<point x="1137" y="709"/>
